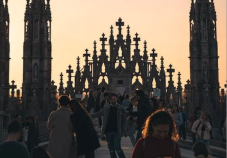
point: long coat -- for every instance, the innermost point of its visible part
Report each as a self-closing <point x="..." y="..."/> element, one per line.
<point x="121" y="118"/>
<point x="61" y="136"/>
<point x="32" y="140"/>
<point x="87" y="139"/>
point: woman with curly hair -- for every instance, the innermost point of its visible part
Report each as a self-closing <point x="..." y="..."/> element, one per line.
<point x="159" y="137"/>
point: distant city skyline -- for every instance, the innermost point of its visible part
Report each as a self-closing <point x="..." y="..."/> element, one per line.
<point x="75" y="26"/>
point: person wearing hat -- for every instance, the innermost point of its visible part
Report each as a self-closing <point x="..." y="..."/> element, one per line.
<point x="113" y="125"/>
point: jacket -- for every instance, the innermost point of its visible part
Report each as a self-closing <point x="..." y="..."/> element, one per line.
<point x="197" y="127"/>
<point x="121" y="118"/>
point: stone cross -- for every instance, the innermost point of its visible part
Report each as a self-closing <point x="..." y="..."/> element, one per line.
<point x="137" y="39"/>
<point x="86" y="55"/>
<point x="69" y="71"/>
<point x="119" y="24"/>
<point x="103" y="39"/>
<point x="170" y="70"/>
<point x="12" y="87"/>
<point x="153" y="55"/>
<point x="52" y="83"/>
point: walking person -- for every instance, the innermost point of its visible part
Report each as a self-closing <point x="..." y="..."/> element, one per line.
<point x="131" y="121"/>
<point x="104" y="101"/>
<point x="177" y="117"/>
<point x="61" y="134"/>
<point x="91" y="102"/>
<point x="98" y="105"/>
<point x="182" y="127"/>
<point x="201" y="128"/>
<point x="114" y="125"/>
<point x="11" y="148"/>
<point x="32" y="140"/>
<point x="144" y="109"/>
<point x="159" y="137"/>
<point x="87" y="139"/>
<point x="193" y="118"/>
<point x="126" y="102"/>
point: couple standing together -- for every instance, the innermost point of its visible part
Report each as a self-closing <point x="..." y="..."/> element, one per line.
<point x="71" y="118"/>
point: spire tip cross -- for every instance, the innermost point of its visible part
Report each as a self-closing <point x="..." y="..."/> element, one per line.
<point x="119" y="24"/>
<point x="170" y="70"/>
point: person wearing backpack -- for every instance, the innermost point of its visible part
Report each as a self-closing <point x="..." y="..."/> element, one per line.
<point x="201" y="127"/>
<point x="159" y="137"/>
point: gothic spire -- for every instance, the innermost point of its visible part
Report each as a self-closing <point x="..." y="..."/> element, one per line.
<point x="78" y="64"/>
<point x="179" y="81"/>
<point x="94" y="53"/>
<point x="192" y="12"/>
<point x="48" y="11"/>
<point x="145" y="57"/>
<point x="27" y="11"/>
<point x="162" y="63"/>
<point x="6" y="11"/>
<point x="120" y="23"/>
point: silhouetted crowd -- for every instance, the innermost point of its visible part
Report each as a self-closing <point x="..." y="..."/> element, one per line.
<point x="157" y="128"/>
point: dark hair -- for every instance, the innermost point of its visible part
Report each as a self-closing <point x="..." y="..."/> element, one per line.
<point x="64" y="100"/>
<point x="98" y="89"/>
<point x="200" y="148"/>
<point x="127" y="96"/>
<point x="112" y="94"/>
<point x="160" y="117"/>
<point x="197" y="109"/>
<point x="103" y="89"/>
<point x="32" y="118"/>
<point x="155" y="104"/>
<point x="39" y="152"/>
<point x="14" y="127"/>
<point x="140" y="93"/>
<point x="177" y="108"/>
<point x="106" y="94"/>
<point x="76" y="107"/>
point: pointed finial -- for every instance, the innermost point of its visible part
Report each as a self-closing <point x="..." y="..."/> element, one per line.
<point x="145" y="45"/>
<point x="6" y="2"/>
<point x="128" y="29"/>
<point x="95" y="45"/>
<point x="111" y="29"/>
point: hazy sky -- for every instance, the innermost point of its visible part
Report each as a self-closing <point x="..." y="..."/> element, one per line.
<point x="164" y="24"/>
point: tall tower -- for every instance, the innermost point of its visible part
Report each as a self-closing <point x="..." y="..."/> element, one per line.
<point x="4" y="55"/>
<point x="204" y="53"/>
<point x="37" y="55"/>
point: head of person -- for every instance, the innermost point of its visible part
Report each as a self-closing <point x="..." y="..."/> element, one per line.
<point x="39" y="152"/>
<point x="98" y="90"/>
<point x="200" y="148"/>
<point x="127" y="96"/>
<point x="75" y="106"/>
<point x="113" y="97"/>
<point x="14" y="128"/>
<point x="154" y="103"/>
<point x="64" y="101"/>
<point x="106" y="95"/>
<point x="31" y="119"/>
<point x="198" y="110"/>
<point x="204" y="115"/>
<point x="169" y="110"/>
<point x="139" y="94"/>
<point x="175" y="109"/>
<point x="103" y="89"/>
<point x="18" y="117"/>
<point x="161" y="125"/>
<point x="133" y="100"/>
